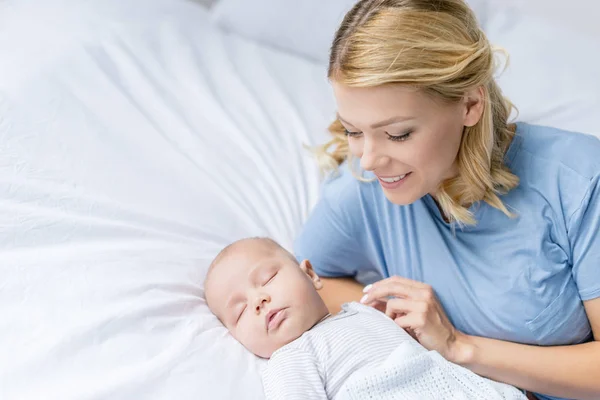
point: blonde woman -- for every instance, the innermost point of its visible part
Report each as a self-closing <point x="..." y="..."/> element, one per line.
<point x="486" y="232"/>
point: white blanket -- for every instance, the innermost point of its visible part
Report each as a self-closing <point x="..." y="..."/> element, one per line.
<point x="135" y="141"/>
<point x="411" y="373"/>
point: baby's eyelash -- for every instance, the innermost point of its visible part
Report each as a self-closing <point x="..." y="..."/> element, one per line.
<point x="271" y="278"/>
<point x="240" y="316"/>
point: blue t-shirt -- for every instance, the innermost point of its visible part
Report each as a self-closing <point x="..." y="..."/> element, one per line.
<point x="520" y="279"/>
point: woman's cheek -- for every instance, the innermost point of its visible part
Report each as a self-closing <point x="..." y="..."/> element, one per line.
<point x="355" y="146"/>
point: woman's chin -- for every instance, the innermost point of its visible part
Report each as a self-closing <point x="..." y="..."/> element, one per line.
<point x="402" y="199"/>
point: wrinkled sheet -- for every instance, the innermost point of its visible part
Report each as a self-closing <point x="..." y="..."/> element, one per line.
<point x="136" y="141"/>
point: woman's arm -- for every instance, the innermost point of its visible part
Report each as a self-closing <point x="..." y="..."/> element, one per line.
<point x="564" y="371"/>
<point x="337" y="291"/>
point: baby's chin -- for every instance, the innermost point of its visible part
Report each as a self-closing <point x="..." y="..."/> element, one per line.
<point x="268" y="350"/>
<point x="265" y="351"/>
<point x="274" y="343"/>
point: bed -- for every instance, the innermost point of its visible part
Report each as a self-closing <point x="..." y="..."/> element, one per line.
<point x="137" y="138"/>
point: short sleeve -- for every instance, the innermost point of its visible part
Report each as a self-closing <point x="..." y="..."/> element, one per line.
<point x="584" y="234"/>
<point x="331" y="239"/>
<point x="293" y="375"/>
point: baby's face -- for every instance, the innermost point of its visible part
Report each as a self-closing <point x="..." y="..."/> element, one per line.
<point x="263" y="296"/>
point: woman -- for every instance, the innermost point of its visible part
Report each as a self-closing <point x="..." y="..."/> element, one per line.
<point x="486" y="232"/>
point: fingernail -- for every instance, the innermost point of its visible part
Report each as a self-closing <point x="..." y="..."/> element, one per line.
<point x="367" y="288"/>
<point x="364" y="299"/>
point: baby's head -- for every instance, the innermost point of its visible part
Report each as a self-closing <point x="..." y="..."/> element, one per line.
<point x="262" y="295"/>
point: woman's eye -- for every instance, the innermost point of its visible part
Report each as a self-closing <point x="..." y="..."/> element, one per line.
<point x="352" y="134"/>
<point x="399" y="138"/>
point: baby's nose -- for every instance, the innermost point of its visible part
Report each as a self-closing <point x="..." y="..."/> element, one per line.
<point x="260" y="304"/>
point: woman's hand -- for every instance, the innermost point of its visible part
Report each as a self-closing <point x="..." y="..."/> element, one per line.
<point x="414" y="306"/>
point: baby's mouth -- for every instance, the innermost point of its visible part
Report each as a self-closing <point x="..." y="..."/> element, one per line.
<point x="274" y="318"/>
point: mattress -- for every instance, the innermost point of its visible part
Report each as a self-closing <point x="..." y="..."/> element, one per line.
<point x="135" y="141"/>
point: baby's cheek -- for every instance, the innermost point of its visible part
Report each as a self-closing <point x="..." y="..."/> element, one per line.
<point x="257" y="334"/>
<point x="265" y="346"/>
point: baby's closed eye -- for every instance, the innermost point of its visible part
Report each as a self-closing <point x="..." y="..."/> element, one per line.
<point x="271" y="278"/>
<point x="240" y="313"/>
<point x="268" y="276"/>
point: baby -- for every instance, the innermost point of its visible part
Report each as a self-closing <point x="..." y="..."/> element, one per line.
<point x="269" y="303"/>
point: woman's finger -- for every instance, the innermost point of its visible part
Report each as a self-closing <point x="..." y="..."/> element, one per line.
<point x="411" y="332"/>
<point x="396" y="307"/>
<point x="382" y="291"/>
<point x="378" y="305"/>
<point x="411" y="321"/>
<point x="406" y="281"/>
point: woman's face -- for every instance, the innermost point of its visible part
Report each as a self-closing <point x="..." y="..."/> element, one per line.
<point x="408" y="139"/>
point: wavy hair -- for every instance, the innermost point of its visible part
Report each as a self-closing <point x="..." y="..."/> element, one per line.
<point x="438" y="47"/>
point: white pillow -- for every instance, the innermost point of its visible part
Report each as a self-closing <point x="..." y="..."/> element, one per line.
<point x="301" y="27"/>
<point x="552" y="74"/>
<point x="551" y="78"/>
<point x="305" y="27"/>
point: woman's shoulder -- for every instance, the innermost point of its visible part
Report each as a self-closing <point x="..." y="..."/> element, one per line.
<point x="555" y="167"/>
<point x="558" y="150"/>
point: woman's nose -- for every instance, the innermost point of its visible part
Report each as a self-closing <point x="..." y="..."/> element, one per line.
<point x="372" y="156"/>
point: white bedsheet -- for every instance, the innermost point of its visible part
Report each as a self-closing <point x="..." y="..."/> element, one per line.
<point x="136" y="141"/>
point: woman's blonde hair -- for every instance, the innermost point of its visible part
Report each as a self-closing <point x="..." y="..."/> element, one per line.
<point x="438" y="47"/>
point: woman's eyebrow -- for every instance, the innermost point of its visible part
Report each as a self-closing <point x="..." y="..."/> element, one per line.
<point x="385" y="122"/>
<point x="343" y="120"/>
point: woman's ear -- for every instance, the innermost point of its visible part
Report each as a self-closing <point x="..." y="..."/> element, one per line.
<point x="306" y="266"/>
<point x="474" y="104"/>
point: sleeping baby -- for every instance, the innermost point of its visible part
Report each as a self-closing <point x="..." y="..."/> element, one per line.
<point x="269" y="303"/>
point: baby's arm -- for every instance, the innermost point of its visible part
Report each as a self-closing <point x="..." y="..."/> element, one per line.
<point x="293" y="375"/>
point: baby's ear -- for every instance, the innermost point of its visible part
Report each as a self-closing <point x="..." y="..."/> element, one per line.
<point x="306" y="266"/>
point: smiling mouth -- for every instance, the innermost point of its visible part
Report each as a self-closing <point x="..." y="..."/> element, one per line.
<point x="393" y="179"/>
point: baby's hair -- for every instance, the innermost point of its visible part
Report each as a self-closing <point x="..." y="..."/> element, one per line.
<point x="229" y="248"/>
